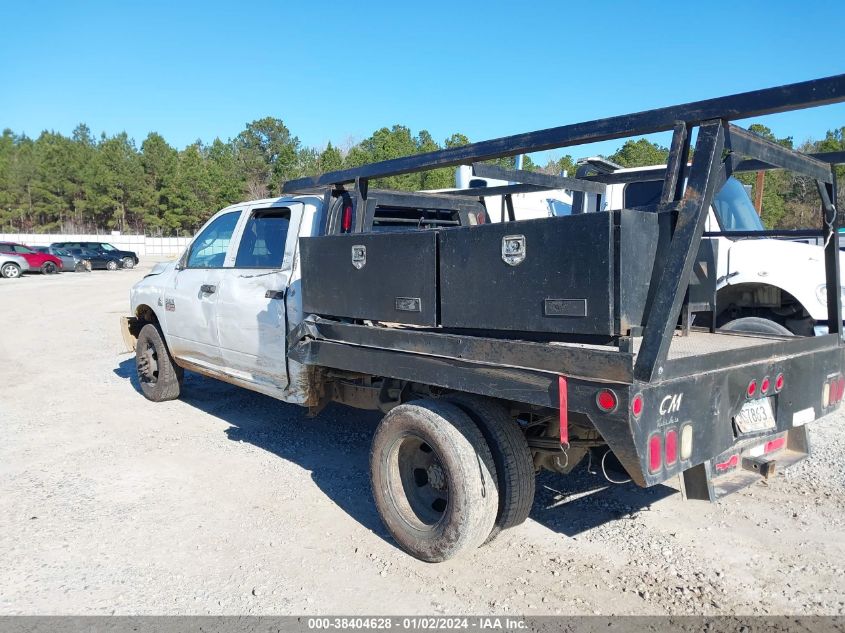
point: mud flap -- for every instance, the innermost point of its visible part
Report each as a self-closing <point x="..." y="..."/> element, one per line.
<point x="744" y="464"/>
<point x="129" y="331"/>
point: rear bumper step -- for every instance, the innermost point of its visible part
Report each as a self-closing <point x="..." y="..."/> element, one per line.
<point x="742" y="466"/>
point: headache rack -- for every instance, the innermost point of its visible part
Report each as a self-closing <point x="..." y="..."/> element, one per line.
<point x="641" y="353"/>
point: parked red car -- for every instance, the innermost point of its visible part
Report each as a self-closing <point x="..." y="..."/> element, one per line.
<point x="43" y="262"/>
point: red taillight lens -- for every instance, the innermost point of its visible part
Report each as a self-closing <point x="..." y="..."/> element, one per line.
<point x="779" y="382"/>
<point x="840" y="389"/>
<point x="774" y="445"/>
<point x="752" y="389"/>
<point x="637" y="405"/>
<point x="655" y="453"/>
<point x="671" y="447"/>
<point x="764" y="386"/>
<point x="606" y="400"/>
<point x="346" y="220"/>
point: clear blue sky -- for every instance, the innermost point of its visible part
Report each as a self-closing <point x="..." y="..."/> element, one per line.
<point x="335" y="70"/>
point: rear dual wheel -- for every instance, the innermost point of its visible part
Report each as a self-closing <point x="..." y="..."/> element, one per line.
<point x="449" y="475"/>
<point x="433" y="480"/>
<point x="511" y="456"/>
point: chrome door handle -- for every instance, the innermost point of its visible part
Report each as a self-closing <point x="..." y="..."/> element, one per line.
<point x="208" y="289"/>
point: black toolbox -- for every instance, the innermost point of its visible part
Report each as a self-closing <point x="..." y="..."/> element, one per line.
<point x="582" y="275"/>
<point x="555" y="275"/>
<point x="389" y="277"/>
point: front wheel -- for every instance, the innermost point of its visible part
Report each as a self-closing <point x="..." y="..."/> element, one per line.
<point x="756" y="325"/>
<point x="160" y="378"/>
<point x="128" y="262"/>
<point x="48" y="268"/>
<point x="10" y="271"/>
<point x="112" y="265"/>
<point x="433" y="480"/>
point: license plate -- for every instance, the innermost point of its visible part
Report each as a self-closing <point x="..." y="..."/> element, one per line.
<point x="756" y="415"/>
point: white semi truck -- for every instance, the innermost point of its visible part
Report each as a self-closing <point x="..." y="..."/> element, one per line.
<point x="761" y="283"/>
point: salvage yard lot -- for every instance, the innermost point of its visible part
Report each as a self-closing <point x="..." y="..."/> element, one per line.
<point x="229" y="502"/>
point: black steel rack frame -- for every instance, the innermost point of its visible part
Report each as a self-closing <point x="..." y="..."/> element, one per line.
<point x="721" y="148"/>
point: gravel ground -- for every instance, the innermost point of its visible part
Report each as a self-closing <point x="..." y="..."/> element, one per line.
<point x="229" y="502"/>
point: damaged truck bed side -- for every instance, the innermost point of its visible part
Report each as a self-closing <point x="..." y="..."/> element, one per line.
<point x="496" y="350"/>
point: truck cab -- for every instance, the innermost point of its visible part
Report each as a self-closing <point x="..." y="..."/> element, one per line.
<point x="222" y="305"/>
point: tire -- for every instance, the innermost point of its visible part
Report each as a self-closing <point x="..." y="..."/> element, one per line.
<point x="10" y="271"/>
<point x="433" y="480"/>
<point x="128" y="263"/>
<point x="160" y="378"/>
<point x="756" y="325"/>
<point x="112" y="265"/>
<point x="49" y="268"/>
<point x="511" y="456"/>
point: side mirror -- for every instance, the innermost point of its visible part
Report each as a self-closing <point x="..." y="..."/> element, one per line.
<point x="183" y="260"/>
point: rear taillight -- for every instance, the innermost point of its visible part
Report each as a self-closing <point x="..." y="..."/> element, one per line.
<point x="346" y="220"/>
<point x="686" y="442"/>
<point x="751" y="390"/>
<point x="764" y="387"/>
<point x="832" y="391"/>
<point x="655" y="453"/>
<point x="665" y="448"/>
<point x="671" y="446"/>
<point x="637" y="405"/>
<point x="606" y="401"/>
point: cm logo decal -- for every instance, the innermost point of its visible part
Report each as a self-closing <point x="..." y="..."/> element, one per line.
<point x="671" y="404"/>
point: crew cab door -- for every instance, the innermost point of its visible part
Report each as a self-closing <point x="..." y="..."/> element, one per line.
<point x="190" y="299"/>
<point x="251" y="317"/>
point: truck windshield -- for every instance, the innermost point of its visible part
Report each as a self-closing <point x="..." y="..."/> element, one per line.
<point x="731" y="204"/>
<point x="734" y="208"/>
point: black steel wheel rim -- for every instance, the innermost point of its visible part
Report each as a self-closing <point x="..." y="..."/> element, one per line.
<point x="147" y="364"/>
<point x="419" y="472"/>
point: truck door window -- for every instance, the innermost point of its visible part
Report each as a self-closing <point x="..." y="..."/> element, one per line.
<point x="263" y="241"/>
<point x="209" y="248"/>
<point x="641" y="194"/>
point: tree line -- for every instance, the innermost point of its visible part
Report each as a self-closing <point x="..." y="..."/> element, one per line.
<point x="80" y="183"/>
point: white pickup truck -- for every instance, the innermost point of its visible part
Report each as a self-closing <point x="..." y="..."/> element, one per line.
<point x="496" y="350"/>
